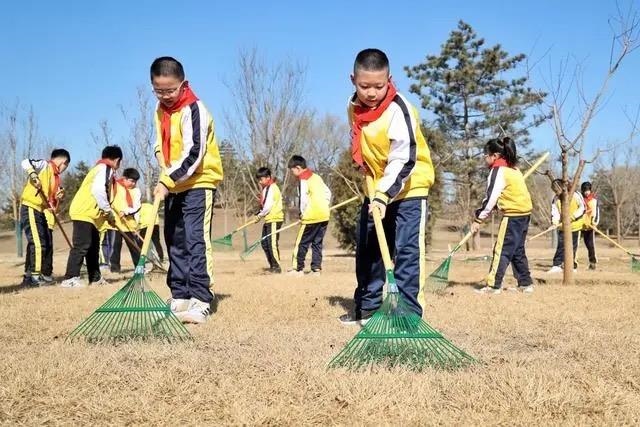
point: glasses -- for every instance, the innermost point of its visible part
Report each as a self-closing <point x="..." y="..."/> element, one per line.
<point x="166" y="92"/>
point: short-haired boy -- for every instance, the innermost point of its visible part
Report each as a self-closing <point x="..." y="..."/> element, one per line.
<point x="90" y="209"/>
<point x="126" y="204"/>
<point x="388" y="145"/>
<point x="187" y="152"/>
<point x="41" y="193"/>
<point x="314" y="201"/>
<point x="273" y="214"/>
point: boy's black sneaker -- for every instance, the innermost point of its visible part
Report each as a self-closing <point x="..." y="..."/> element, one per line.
<point x="275" y="270"/>
<point x="358" y="317"/>
<point x="31" y="282"/>
<point x="592" y="266"/>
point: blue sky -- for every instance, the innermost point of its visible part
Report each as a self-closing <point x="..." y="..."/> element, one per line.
<point x="76" y="61"/>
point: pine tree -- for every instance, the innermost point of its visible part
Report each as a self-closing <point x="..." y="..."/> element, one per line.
<point x="468" y="90"/>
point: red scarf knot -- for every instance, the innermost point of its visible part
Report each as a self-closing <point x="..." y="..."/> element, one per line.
<point x="127" y="193"/>
<point x="362" y="115"/>
<point x="187" y="97"/>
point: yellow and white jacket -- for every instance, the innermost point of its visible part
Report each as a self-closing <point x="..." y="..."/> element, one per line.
<point x="271" y="209"/>
<point x="194" y="157"/>
<point x="576" y="210"/>
<point x="396" y="152"/>
<point x="92" y="201"/>
<point x="506" y="189"/>
<point x="315" y="198"/>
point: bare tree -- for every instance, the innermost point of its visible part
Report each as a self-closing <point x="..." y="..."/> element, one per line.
<point x="140" y="143"/>
<point x="571" y="122"/>
<point x="268" y="121"/>
<point x="103" y="136"/>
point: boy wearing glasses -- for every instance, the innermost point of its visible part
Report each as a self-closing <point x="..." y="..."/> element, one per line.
<point x="187" y="152"/>
<point x="126" y="203"/>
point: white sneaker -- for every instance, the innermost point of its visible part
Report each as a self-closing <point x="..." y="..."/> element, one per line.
<point x="74" y="282"/>
<point x="198" y="312"/>
<point x="295" y="273"/>
<point x="47" y="280"/>
<point x="100" y="282"/>
<point x="526" y="289"/>
<point x="178" y="306"/>
<point x="488" y="290"/>
<point x="555" y="269"/>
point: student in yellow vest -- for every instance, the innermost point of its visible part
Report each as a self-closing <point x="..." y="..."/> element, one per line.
<point x="126" y="204"/>
<point x="273" y="215"/>
<point x="591" y="218"/>
<point x="41" y="193"/>
<point x="507" y="191"/>
<point x="576" y="211"/>
<point x="187" y="152"/>
<point x="314" y="201"/>
<point x="90" y="209"/>
<point x="146" y="223"/>
<point x="387" y="144"/>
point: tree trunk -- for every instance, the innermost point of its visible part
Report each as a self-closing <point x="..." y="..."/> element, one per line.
<point x="618" y="224"/>
<point x="565" y="206"/>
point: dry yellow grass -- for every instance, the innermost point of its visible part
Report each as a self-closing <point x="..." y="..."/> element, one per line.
<point x="563" y="355"/>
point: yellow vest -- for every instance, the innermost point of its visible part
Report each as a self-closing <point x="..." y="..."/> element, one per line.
<point x="145" y="217"/>
<point x="416" y="172"/>
<point x="273" y="197"/>
<point x="84" y="206"/>
<point x="576" y="211"/>
<point x="31" y="196"/>
<point x="315" y="198"/>
<point x="193" y="152"/>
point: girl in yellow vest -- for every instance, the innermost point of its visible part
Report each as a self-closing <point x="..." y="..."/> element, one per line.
<point x="126" y="204"/>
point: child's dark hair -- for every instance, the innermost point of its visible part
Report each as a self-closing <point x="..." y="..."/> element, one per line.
<point x="297" y="160"/>
<point x="557" y="184"/>
<point x="503" y="146"/>
<point x="131" y="173"/>
<point x="585" y="186"/>
<point x="168" y="67"/>
<point x="61" y="152"/>
<point x="112" y="152"/>
<point x="371" y="60"/>
<point x="263" y="172"/>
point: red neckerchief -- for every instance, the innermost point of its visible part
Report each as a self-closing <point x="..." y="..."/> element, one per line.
<point x="305" y="174"/>
<point x="363" y="115"/>
<point x="54" y="185"/>
<point x="262" y="193"/>
<point x="500" y="161"/>
<point x="587" y="199"/>
<point x="186" y="98"/>
<point x="127" y="193"/>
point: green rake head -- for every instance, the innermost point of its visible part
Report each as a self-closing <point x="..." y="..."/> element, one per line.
<point x="439" y="279"/>
<point x="635" y="264"/>
<point x="397" y="336"/>
<point x="224" y="242"/>
<point x="250" y="249"/>
<point x="135" y="312"/>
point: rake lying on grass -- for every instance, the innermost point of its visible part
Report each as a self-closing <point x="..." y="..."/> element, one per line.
<point x="635" y="258"/>
<point x="395" y="335"/>
<point x="439" y="279"/>
<point x="257" y="243"/>
<point x="227" y="240"/>
<point x="135" y="312"/>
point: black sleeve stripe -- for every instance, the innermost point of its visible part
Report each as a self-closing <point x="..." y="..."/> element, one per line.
<point x="266" y="195"/>
<point x="395" y="188"/>
<point x="107" y="183"/>
<point x="194" y="152"/>
<point x="492" y="180"/>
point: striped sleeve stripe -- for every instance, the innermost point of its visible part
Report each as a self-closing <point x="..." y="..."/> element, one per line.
<point x="196" y="152"/>
<point x="492" y="181"/>
<point x="402" y="176"/>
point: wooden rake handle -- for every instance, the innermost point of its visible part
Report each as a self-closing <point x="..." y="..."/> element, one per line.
<point x="293" y="224"/>
<point x="613" y="242"/>
<point x="460" y="243"/>
<point x="56" y="219"/>
<point x="542" y="233"/>
<point x="242" y="227"/>
<point x="147" y="238"/>
<point x="377" y="222"/>
<point x="536" y="165"/>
